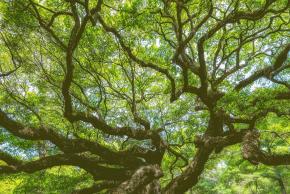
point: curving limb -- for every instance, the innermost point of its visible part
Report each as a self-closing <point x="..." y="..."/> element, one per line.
<point x="252" y="152"/>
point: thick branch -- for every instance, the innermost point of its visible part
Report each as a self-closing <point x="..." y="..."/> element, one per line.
<point x="65" y="144"/>
<point x="90" y="164"/>
<point x="252" y="152"/>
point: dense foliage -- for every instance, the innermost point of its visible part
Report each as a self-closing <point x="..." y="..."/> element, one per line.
<point x="144" y="96"/>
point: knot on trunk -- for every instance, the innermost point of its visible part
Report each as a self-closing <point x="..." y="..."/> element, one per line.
<point x="139" y="180"/>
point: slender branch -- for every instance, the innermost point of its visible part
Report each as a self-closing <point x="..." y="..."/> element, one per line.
<point x="136" y="59"/>
<point x="280" y="59"/>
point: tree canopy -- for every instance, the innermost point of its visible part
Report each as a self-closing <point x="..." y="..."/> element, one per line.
<point x="144" y="96"/>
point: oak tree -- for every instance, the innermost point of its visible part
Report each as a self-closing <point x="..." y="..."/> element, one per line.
<point x="141" y="95"/>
